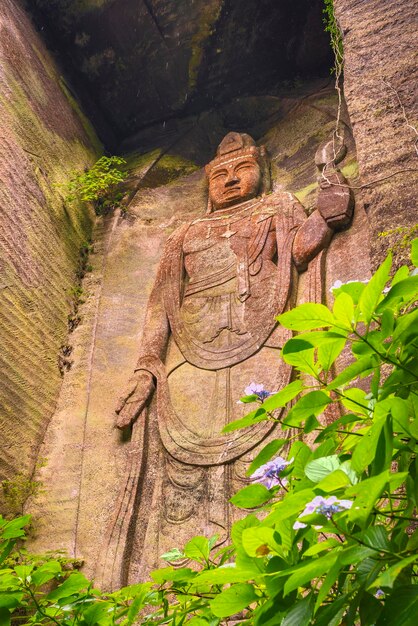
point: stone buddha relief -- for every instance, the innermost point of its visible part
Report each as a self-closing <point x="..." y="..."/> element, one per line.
<point x="210" y="330"/>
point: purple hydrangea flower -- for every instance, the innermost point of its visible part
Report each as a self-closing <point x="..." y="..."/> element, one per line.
<point x="323" y="506"/>
<point x="257" y="390"/>
<point x="269" y="473"/>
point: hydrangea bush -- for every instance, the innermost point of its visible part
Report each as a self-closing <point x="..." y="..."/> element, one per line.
<point x="331" y="538"/>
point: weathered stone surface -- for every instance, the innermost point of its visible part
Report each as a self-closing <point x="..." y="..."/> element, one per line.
<point x="139" y="61"/>
<point x="43" y="139"/>
<point x="84" y="449"/>
<point x="380" y="86"/>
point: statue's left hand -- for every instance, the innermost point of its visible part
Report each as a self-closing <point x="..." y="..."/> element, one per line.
<point x="139" y="388"/>
<point x="335" y="200"/>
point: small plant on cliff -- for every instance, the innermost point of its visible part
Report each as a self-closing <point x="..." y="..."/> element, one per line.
<point x="99" y="184"/>
<point x="336" y="39"/>
<point x="331" y="27"/>
<point x="400" y="239"/>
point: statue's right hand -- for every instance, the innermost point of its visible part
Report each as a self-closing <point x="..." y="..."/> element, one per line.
<point x="130" y="404"/>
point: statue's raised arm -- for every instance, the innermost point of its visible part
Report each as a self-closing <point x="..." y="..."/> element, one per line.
<point x="334" y="207"/>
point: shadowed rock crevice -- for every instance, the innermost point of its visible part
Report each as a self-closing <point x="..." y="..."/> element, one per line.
<point x="135" y="63"/>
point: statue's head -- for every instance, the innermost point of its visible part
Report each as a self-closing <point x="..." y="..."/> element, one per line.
<point x="240" y="171"/>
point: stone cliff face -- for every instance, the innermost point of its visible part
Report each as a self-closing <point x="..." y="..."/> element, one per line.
<point x="380" y="88"/>
<point x="43" y="138"/>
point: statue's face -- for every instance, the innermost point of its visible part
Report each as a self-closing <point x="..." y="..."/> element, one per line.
<point x="234" y="182"/>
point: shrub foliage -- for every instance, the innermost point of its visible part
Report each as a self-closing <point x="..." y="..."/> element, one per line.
<point x="331" y="537"/>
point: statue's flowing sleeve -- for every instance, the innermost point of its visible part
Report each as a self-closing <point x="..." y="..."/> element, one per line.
<point x="169" y="276"/>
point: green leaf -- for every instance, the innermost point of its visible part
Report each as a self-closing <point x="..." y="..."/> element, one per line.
<point x="355" y="554"/>
<point x="334" y="481"/>
<point x="251" y="496"/>
<point x="353" y="288"/>
<point x="413" y="541"/>
<point x="74" y="583"/>
<point x="300" y="614"/>
<point x="259" y="415"/>
<point x="319" y="468"/>
<point x="173" y="555"/>
<point x="384" y="449"/>
<point x="164" y="574"/>
<point x="238" y="527"/>
<point x="349" y="418"/>
<point x="330" y="579"/>
<point x="318" y="337"/>
<point x="5" y="549"/>
<point x="224" y="575"/>
<point x="5" y="617"/>
<point x="94" y="614"/>
<point x="137" y="604"/>
<point x="401" y="608"/>
<point x="301" y="453"/>
<point x="400" y="274"/>
<point x="249" y="399"/>
<point x="266" y="454"/>
<point x="9" y="581"/>
<point x="354" y="399"/>
<point x="197" y="549"/>
<point x="347" y="469"/>
<point x="307" y="317"/>
<point x="331" y="614"/>
<point x="369" y="609"/>
<point x="390" y="575"/>
<point x="289" y="506"/>
<point x="387" y="323"/>
<point x="343" y="310"/>
<point x="270" y="613"/>
<point x="365" y="450"/>
<point x="366" y="492"/>
<point x="10" y="599"/>
<point x="404" y="291"/>
<point x="313" y="403"/>
<point x="46" y="572"/>
<point x="232" y="600"/>
<point x="24" y="571"/>
<point x="254" y="538"/>
<point x="300" y="354"/>
<point x="376" y="537"/>
<point x="15" y="528"/>
<point x="414" y="252"/>
<point x="405" y="327"/>
<point x="307" y="571"/>
<point x="321" y="547"/>
<point x="328" y="353"/>
<point x="361" y="367"/>
<point x="284" y="396"/>
<point x="372" y="293"/>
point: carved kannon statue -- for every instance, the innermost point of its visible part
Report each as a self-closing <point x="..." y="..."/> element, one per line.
<point x="210" y="330"/>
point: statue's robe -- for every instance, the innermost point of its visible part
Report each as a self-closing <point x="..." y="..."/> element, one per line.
<point x="223" y="335"/>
